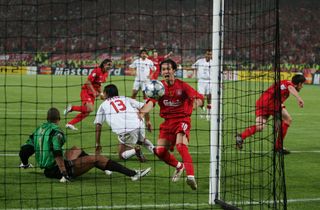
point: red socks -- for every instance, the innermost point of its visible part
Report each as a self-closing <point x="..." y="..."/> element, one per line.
<point x="78" y="118"/>
<point x="84" y="113"/>
<point x="279" y="142"/>
<point x="249" y="132"/>
<point x="186" y="157"/>
<point x="164" y="155"/>
<point x="79" y="108"/>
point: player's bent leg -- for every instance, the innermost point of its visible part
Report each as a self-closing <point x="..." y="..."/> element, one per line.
<point x="77" y="119"/>
<point x="162" y="153"/>
<point x="148" y="145"/>
<point x="74" y="152"/>
<point x="186" y="157"/>
<point x="139" y="154"/>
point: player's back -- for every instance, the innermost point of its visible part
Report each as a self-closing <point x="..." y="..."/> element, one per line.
<point x="121" y="114"/>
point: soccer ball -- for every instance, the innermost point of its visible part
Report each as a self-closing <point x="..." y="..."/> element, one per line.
<point x="154" y="89"/>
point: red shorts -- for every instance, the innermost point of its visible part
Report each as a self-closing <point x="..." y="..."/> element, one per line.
<point x="171" y="127"/>
<point x="267" y="111"/>
<point x="87" y="97"/>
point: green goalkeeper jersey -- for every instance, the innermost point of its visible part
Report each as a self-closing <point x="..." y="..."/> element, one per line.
<point x="47" y="139"/>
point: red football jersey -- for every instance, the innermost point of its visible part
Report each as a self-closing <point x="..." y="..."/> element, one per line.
<point x="178" y="100"/>
<point x="156" y="61"/>
<point x="97" y="77"/>
<point x="268" y="97"/>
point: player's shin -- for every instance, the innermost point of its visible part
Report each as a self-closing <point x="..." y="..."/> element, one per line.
<point x="186" y="157"/>
<point x="148" y="145"/>
<point x="164" y="155"/>
<point x="280" y="139"/>
<point x="114" y="166"/>
<point x="128" y="153"/>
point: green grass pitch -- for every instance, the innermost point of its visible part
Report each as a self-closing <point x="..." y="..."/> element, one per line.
<point x="24" y="101"/>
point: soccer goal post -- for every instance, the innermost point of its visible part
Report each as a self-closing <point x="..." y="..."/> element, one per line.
<point x="217" y="41"/>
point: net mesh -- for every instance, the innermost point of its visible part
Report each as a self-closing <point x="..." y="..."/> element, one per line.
<point x="49" y="47"/>
<point x="252" y="175"/>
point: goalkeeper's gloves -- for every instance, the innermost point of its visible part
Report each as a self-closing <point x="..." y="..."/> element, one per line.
<point x="29" y="165"/>
<point x="65" y="177"/>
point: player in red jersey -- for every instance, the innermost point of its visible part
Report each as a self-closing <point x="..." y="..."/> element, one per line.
<point x="90" y="90"/>
<point x="266" y="105"/>
<point x="157" y="59"/>
<point x="176" y="107"/>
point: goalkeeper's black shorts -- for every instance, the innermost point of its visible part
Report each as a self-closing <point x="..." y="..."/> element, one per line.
<point x="54" y="172"/>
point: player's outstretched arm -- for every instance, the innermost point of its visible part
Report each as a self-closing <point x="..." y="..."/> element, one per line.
<point x="98" y="136"/>
<point x="148" y="122"/>
<point x="295" y="93"/>
<point x="145" y="109"/>
<point x="168" y="55"/>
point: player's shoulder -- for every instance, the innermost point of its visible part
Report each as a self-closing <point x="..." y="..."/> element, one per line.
<point x="286" y="82"/>
<point x="179" y="82"/>
<point x="201" y="60"/>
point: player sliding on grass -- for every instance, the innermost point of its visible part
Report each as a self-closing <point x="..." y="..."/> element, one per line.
<point x="47" y="142"/>
<point x="269" y="104"/>
<point x="176" y="107"/>
<point x="121" y="114"/>
<point x="90" y="90"/>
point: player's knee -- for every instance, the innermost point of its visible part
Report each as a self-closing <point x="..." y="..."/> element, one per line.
<point x="89" y="109"/>
<point x="260" y="127"/>
<point x="121" y="156"/>
<point x="160" y="151"/>
<point x="288" y="121"/>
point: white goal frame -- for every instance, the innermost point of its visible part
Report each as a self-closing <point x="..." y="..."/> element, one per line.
<point x="216" y="78"/>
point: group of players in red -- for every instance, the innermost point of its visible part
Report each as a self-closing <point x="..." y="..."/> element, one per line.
<point x="176" y="107"/>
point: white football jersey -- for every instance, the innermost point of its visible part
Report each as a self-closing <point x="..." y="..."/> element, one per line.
<point x="143" y="68"/>
<point x="204" y="68"/>
<point x="121" y="114"/>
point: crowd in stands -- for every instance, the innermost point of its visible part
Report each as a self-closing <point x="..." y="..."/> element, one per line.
<point x="76" y="33"/>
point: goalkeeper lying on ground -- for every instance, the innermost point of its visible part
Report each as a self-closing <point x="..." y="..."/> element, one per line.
<point x="47" y="142"/>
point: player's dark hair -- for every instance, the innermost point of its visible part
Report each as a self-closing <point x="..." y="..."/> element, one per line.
<point x="143" y="50"/>
<point x="171" y="62"/>
<point x="111" y="90"/>
<point x="298" y="78"/>
<point x="53" y="115"/>
<point x="107" y="60"/>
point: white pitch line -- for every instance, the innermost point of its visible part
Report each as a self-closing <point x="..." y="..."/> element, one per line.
<point x="157" y="206"/>
<point x="115" y="154"/>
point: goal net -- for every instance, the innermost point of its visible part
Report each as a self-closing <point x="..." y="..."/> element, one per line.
<point x="48" y="49"/>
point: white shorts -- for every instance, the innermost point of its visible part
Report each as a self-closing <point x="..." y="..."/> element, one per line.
<point x="130" y="139"/>
<point x="140" y="84"/>
<point x="204" y="87"/>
